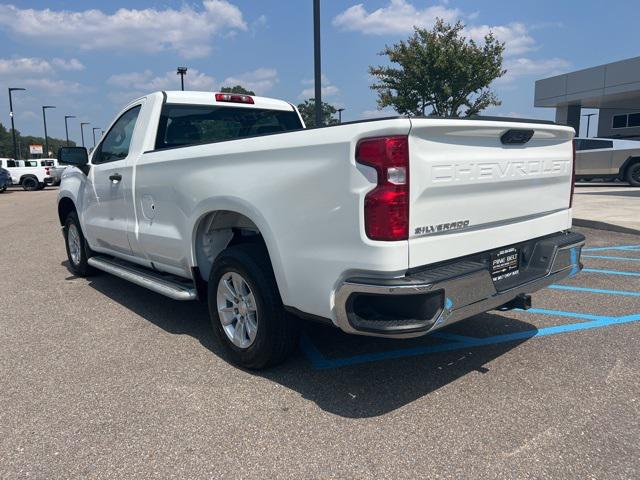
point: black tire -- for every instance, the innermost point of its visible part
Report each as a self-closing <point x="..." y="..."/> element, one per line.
<point x="30" y="184"/>
<point x="41" y="186"/>
<point x="81" y="267"/>
<point x="633" y="174"/>
<point x="276" y="336"/>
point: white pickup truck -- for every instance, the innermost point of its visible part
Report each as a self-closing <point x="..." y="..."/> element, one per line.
<point x="26" y="173"/>
<point x="394" y="227"/>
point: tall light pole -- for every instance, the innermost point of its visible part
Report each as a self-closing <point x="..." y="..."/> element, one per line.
<point x="588" y="115"/>
<point x="13" y="127"/>
<point x="66" y="127"/>
<point x="44" y="119"/>
<point x="317" y="70"/>
<point x="340" y="110"/>
<point x="94" y="135"/>
<point x="82" y="124"/>
<point x="182" y="71"/>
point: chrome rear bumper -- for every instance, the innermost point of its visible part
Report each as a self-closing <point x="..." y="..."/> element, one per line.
<point x="456" y="290"/>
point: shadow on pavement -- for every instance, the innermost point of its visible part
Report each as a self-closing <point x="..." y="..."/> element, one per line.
<point x="356" y="391"/>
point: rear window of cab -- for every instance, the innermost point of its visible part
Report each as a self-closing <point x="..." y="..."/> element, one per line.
<point x="183" y="125"/>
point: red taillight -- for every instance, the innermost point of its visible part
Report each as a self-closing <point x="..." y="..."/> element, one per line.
<point x="233" y="98"/>
<point x="573" y="174"/>
<point x="46" y="169"/>
<point x="386" y="207"/>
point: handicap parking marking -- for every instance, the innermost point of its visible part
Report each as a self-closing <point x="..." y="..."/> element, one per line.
<point x="611" y="272"/>
<point x="453" y="342"/>
<point x="625" y="248"/>
<point x="623" y="293"/>
<point x="606" y="257"/>
<point x="460" y="342"/>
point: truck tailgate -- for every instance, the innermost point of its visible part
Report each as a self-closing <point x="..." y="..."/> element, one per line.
<point x="469" y="192"/>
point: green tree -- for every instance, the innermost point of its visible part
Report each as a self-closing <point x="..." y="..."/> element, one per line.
<point x="23" y="142"/>
<point x="307" y="111"/>
<point x="237" y="89"/>
<point x="439" y="72"/>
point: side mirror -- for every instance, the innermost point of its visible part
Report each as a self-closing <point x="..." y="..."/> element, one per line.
<point x="76" y="156"/>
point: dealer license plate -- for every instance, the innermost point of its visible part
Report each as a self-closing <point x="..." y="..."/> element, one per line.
<point x="505" y="264"/>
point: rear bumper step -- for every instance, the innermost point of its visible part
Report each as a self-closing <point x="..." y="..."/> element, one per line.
<point x="429" y="298"/>
<point x="168" y="286"/>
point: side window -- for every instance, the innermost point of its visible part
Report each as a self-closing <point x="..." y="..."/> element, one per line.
<point x="634" y="120"/>
<point x="116" y="143"/>
<point x="11" y="163"/>
<point x="595" y="144"/>
<point x="619" y="121"/>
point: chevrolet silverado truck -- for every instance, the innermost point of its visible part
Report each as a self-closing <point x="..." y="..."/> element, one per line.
<point x="26" y="173"/>
<point x="395" y="227"/>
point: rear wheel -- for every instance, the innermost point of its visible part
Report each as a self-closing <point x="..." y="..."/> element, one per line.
<point x="633" y="175"/>
<point x="30" y="184"/>
<point x="78" y="252"/>
<point x="41" y="186"/>
<point x="246" y="310"/>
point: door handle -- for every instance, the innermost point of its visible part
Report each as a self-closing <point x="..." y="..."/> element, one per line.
<point x="115" y="178"/>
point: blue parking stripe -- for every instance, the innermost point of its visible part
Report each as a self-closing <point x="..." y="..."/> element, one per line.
<point x="619" y="247"/>
<point x="623" y="293"/>
<point x="606" y="257"/>
<point x="594" y="321"/>
<point x="611" y="272"/>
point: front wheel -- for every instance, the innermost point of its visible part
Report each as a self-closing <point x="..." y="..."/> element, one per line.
<point x="246" y="310"/>
<point x="633" y="175"/>
<point x="78" y="251"/>
<point x="30" y="184"/>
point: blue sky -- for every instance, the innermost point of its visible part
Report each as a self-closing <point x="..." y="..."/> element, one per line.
<point x="89" y="58"/>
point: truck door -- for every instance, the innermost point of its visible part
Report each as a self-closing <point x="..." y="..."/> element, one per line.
<point x="108" y="212"/>
<point x="593" y="156"/>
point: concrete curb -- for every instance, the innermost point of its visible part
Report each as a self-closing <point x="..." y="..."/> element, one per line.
<point x="604" y="226"/>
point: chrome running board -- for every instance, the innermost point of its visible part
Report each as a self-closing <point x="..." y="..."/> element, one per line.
<point x="168" y="286"/>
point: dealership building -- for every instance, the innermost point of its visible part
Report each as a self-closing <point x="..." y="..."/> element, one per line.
<point x="613" y="89"/>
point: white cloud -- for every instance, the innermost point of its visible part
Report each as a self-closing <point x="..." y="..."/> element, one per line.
<point x="187" y="31"/>
<point x="40" y="75"/>
<point x="53" y="86"/>
<point x="398" y="17"/>
<point x="514" y="35"/>
<point x="520" y="67"/>
<point x="146" y="82"/>
<point x="260" y="81"/>
<point x="29" y="65"/>
<point x="71" y="64"/>
<point x="328" y="90"/>
<point x="131" y="85"/>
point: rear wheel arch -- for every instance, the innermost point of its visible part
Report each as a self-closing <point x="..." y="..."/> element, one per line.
<point x="218" y="230"/>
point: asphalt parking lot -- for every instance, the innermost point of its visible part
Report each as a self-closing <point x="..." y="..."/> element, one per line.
<point x="103" y="379"/>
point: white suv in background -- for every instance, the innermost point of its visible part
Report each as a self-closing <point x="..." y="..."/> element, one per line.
<point x="26" y="173"/>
